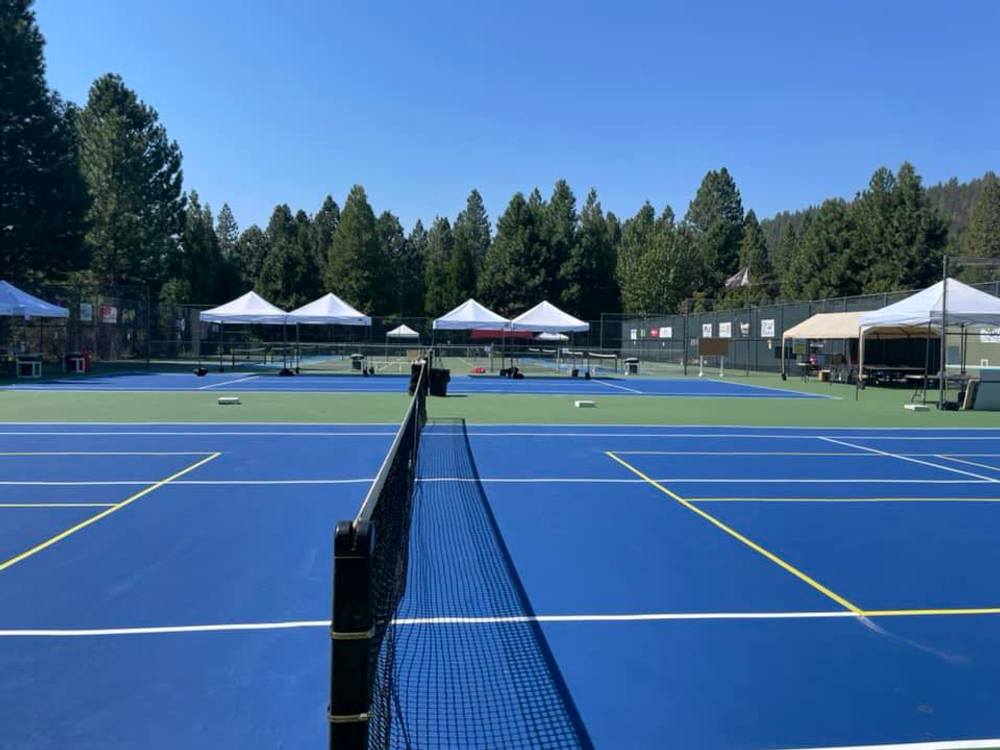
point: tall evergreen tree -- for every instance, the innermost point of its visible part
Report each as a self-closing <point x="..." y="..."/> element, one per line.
<point x="357" y="265"/>
<point x="784" y="251"/>
<point x="824" y="263"/>
<point x="899" y="237"/>
<point x="438" y="294"/>
<point x="250" y="251"/>
<point x="411" y="268"/>
<point x="227" y="231"/>
<point x="325" y="224"/>
<point x="588" y="276"/>
<point x="309" y="285"/>
<point x="559" y="228"/>
<point x="393" y="240"/>
<point x="755" y="260"/>
<point x="982" y="238"/>
<point x="43" y="199"/>
<point x="637" y="237"/>
<point x="282" y="266"/>
<point x="133" y="172"/>
<point x="715" y="217"/>
<point x="199" y="266"/>
<point x="472" y="232"/>
<point x="513" y="275"/>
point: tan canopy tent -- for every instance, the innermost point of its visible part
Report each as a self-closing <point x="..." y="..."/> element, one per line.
<point x="845" y="325"/>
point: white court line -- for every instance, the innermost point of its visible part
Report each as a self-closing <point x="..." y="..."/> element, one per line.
<point x="141" y="482"/>
<point x="228" y="382"/>
<point x="56" y="505"/>
<point x="911" y="460"/>
<point x="843" y="499"/>
<point x="180" y="433"/>
<point x="620" y="387"/>
<point x="103" y="453"/>
<point x="291" y="624"/>
<point x="951" y="457"/>
<point x="487" y="480"/>
<point x="936" y="745"/>
<point x="744" y="453"/>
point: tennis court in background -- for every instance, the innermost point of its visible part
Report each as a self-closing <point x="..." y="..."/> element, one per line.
<point x="692" y="387"/>
<point x="723" y="587"/>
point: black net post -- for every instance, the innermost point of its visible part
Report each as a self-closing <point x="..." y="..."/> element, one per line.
<point x="351" y="632"/>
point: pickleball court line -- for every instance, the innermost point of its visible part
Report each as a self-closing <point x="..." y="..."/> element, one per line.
<point x="103" y="514"/>
<point x="788" y="567"/>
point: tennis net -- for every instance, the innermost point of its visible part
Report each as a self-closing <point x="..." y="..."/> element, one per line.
<point x="371" y="555"/>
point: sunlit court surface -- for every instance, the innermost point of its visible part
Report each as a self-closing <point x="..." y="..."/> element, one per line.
<point x="168" y="585"/>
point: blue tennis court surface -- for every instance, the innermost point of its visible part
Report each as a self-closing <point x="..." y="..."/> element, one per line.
<point x="463" y="384"/>
<point x="697" y="587"/>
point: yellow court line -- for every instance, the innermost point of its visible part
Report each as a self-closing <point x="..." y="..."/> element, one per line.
<point x="931" y="612"/>
<point x="103" y="514"/>
<point x="748" y="542"/>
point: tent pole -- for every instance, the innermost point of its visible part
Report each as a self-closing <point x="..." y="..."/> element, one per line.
<point x="298" y="350"/>
<point x="927" y="359"/>
<point x="222" y="347"/>
<point x="944" y="333"/>
<point x="861" y="363"/>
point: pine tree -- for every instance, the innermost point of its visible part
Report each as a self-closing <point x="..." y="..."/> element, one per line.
<point x="824" y="263"/>
<point x="438" y="294"/>
<point x="899" y="236"/>
<point x="250" y="251"/>
<point x="472" y="232"/>
<point x="559" y="228"/>
<point x="308" y="284"/>
<point x="134" y="176"/>
<point x="43" y="199"/>
<point x="393" y="240"/>
<point x="411" y="273"/>
<point x="783" y="252"/>
<point x="982" y="238"/>
<point x="199" y="262"/>
<point x="715" y="217"/>
<point x="325" y="224"/>
<point x="513" y="275"/>
<point x="588" y="276"/>
<point x="636" y="240"/>
<point x="281" y="267"/>
<point x="227" y="231"/>
<point x="357" y="265"/>
<point x="754" y="259"/>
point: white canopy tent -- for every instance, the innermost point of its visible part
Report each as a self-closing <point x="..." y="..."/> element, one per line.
<point x="471" y="315"/>
<point x="17" y="303"/>
<point x="328" y="310"/>
<point x="547" y="318"/>
<point x="250" y="308"/>
<point x="402" y="332"/>
<point x="947" y="304"/>
<point x="552" y="337"/>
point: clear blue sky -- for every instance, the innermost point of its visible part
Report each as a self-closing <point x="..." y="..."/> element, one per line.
<point x="422" y="101"/>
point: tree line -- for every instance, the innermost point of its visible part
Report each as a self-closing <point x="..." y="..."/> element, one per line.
<point x="97" y="194"/>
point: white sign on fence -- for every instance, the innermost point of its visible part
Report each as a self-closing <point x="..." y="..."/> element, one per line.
<point x="990" y="336"/>
<point x="725" y="330"/>
<point x="666" y="332"/>
<point x="706" y="330"/>
<point x="633" y="334"/>
<point x="767" y="328"/>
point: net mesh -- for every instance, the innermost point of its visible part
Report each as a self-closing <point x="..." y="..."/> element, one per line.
<point x="387" y="507"/>
<point x="465" y="664"/>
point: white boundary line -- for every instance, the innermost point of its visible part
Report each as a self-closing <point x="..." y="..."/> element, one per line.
<point x="196" y="433"/>
<point x="228" y="382"/>
<point x="819" y="500"/>
<point x="620" y="387"/>
<point x="56" y="505"/>
<point x="141" y="482"/>
<point x="291" y="624"/>
<point x="951" y="457"/>
<point x="26" y="454"/>
<point x="937" y="745"/>
<point x="911" y="460"/>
